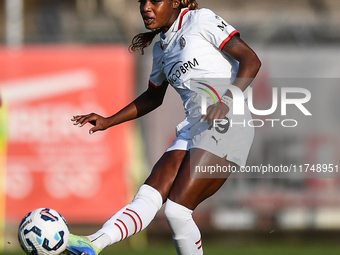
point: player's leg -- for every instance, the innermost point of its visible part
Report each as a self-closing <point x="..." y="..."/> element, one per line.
<point x="139" y="213"/>
<point x="186" y="193"/>
<point x="189" y="190"/>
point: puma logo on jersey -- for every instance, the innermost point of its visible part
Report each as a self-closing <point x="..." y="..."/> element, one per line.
<point x="222" y="26"/>
<point x="213" y="137"/>
<point x="180" y="68"/>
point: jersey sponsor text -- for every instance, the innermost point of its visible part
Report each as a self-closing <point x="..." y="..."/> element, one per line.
<point x="180" y="68"/>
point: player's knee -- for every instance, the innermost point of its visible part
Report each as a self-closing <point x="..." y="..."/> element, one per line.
<point x="150" y="195"/>
<point x="176" y="212"/>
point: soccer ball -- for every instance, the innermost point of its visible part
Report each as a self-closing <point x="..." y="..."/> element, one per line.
<point x="43" y="231"/>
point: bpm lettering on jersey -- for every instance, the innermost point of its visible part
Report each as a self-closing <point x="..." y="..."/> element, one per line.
<point x="179" y="68"/>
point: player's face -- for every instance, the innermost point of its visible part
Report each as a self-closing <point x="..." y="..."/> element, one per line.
<point x="159" y="13"/>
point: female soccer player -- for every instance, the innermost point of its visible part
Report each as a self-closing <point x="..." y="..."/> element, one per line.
<point x="194" y="44"/>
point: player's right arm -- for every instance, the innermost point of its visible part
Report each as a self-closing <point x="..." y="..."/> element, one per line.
<point x="145" y="103"/>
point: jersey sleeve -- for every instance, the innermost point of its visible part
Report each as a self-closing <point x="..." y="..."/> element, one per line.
<point x="214" y="28"/>
<point x="157" y="76"/>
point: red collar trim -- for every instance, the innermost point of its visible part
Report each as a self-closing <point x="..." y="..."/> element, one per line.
<point x="179" y="23"/>
<point x="181" y="18"/>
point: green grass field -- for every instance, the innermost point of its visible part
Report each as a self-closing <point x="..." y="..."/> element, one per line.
<point x="219" y="249"/>
<point x="276" y="242"/>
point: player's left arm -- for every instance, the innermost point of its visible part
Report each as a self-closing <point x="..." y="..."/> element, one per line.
<point x="249" y="65"/>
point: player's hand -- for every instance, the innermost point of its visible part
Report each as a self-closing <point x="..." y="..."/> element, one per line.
<point x="99" y="122"/>
<point x="217" y="111"/>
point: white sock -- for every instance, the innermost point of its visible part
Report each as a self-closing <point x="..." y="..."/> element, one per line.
<point x="185" y="233"/>
<point x="130" y="220"/>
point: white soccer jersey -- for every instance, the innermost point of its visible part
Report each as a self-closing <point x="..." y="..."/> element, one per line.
<point x="189" y="52"/>
<point x="191" y="48"/>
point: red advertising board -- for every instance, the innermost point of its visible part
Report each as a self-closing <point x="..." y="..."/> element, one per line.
<point x="50" y="162"/>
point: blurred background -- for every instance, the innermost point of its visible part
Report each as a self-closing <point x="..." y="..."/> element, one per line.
<point x="59" y="58"/>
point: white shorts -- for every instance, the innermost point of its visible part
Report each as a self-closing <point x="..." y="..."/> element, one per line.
<point x="230" y="138"/>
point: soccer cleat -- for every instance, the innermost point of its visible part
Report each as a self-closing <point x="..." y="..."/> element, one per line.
<point x="80" y="245"/>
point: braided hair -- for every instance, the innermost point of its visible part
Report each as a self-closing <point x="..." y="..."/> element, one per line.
<point x="143" y="40"/>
